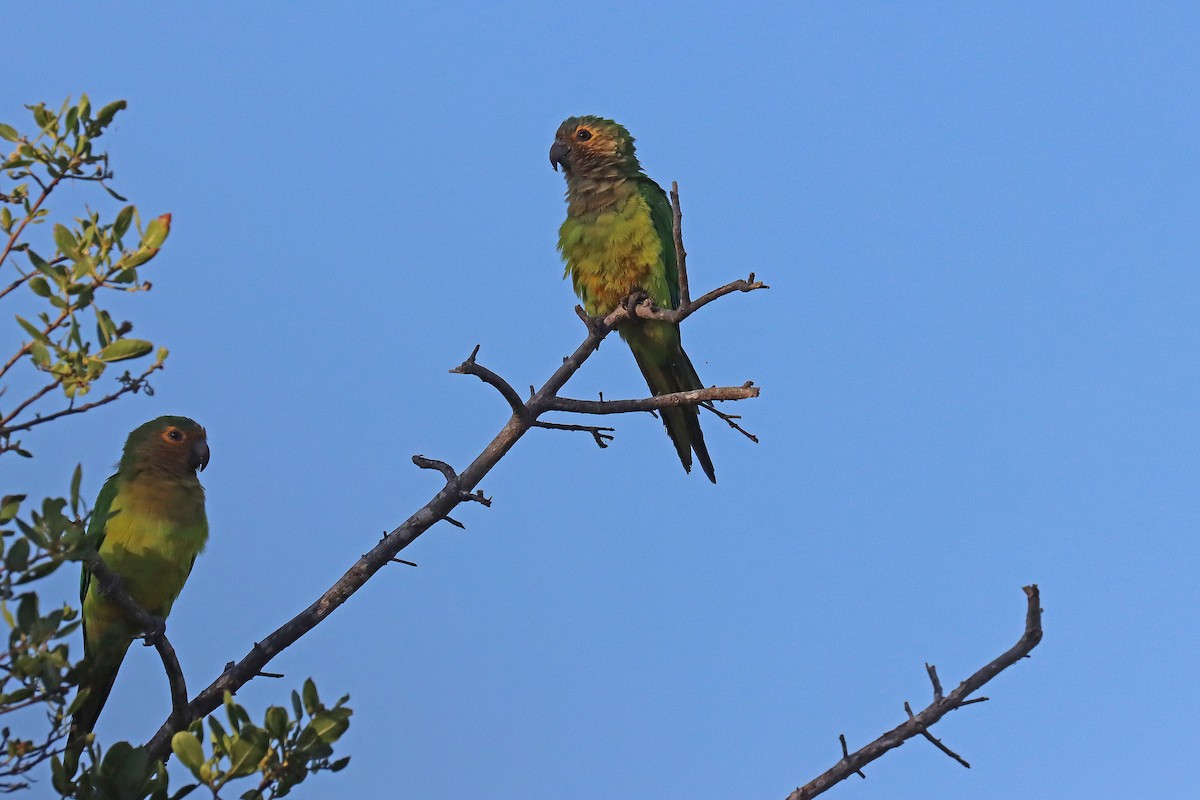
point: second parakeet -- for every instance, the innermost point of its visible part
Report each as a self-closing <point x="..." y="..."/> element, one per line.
<point x="617" y="239"/>
<point x="150" y="523"/>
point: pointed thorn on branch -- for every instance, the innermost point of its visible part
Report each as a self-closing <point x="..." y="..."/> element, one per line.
<point x="937" y="684"/>
<point x="454" y="522"/>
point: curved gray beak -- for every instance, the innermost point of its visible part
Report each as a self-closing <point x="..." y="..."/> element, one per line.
<point x="558" y="155"/>
<point x="198" y="458"/>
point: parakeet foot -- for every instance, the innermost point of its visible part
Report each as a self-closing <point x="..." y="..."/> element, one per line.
<point x="157" y="630"/>
<point x="634" y="299"/>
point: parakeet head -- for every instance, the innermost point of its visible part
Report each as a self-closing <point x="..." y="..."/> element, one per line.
<point x="593" y="147"/>
<point x="173" y="446"/>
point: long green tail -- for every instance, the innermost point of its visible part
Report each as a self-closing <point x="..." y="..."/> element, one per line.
<point x="100" y="679"/>
<point x="667" y="369"/>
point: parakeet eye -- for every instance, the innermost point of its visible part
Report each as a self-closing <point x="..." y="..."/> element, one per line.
<point x="583" y="134"/>
<point x="175" y="435"/>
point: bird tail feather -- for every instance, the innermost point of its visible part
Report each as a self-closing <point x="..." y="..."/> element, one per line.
<point x="667" y="369"/>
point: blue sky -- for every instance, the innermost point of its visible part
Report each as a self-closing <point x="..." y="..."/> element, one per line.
<point x="978" y="359"/>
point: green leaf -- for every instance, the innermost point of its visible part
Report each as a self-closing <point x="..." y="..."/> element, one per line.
<point x="135" y="259"/>
<point x="41" y="265"/>
<point x="156" y="231"/>
<point x="121" y="224"/>
<point x="37" y="335"/>
<point x="9" y="506"/>
<point x="277" y="722"/>
<point x="244" y="757"/>
<point x="330" y="725"/>
<point x="187" y="747"/>
<point x="40" y="286"/>
<point x="18" y="555"/>
<point x="76" y="479"/>
<point x="312" y="703"/>
<point x="105" y="115"/>
<point x="123" y="349"/>
<point x="65" y="240"/>
<point x="40" y="355"/>
<point x="8" y="132"/>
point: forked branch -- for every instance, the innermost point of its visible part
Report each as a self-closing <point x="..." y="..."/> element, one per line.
<point x="919" y="724"/>
<point x="459" y="487"/>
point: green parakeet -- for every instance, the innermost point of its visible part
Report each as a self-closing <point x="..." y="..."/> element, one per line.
<point x="151" y="525"/>
<point x="617" y="238"/>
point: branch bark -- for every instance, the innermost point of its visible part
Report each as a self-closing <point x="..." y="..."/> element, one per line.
<point x="919" y="724"/>
<point x="458" y="488"/>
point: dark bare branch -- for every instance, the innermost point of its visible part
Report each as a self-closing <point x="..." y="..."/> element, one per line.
<point x="933" y="678"/>
<point x="458" y="487"/>
<point x="601" y="435"/>
<point x="471" y="367"/>
<point x="440" y="466"/>
<point x="935" y="741"/>
<point x="920" y="723"/>
<point x="685" y="294"/>
<point x="731" y="421"/>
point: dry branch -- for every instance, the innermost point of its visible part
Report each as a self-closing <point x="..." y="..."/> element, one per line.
<point x="459" y="487"/>
<point x="919" y="724"/>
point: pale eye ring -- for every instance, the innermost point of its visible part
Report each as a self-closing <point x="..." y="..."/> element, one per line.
<point x="175" y="435"/>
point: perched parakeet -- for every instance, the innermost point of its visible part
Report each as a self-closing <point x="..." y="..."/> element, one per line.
<point x="150" y="523"/>
<point x="617" y="239"/>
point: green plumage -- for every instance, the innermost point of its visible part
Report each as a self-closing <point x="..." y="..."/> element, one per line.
<point x="617" y="239"/>
<point x="150" y="525"/>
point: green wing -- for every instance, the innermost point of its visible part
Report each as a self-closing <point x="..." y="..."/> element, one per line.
<point x="100" y="515"/>
<point x="664" y="226"/>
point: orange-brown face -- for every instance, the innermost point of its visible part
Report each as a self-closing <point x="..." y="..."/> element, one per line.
<point x="584" y="144"/>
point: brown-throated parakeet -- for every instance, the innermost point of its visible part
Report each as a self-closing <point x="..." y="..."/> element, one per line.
<point x="150" y="526"/>
<point x="617" y="239"/>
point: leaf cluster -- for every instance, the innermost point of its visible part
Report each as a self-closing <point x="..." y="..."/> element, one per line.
<point x="284" y="750"/>
<point x="64" y="276"/>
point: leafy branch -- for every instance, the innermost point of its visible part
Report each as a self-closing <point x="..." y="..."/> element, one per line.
<point x="90" y="255"/>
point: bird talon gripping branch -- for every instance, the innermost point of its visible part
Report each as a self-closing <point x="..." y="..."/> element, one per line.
<point x="157" y="630"/>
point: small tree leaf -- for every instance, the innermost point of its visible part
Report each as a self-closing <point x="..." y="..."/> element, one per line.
<point x="123" y="349"/>
<point x="187" y="747"/>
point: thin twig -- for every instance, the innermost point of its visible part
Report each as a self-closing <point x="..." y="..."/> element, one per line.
<point x="470" y="367"/>
<point x="933" y="678"/>
<point x="935" y="741"/>
<point x="729" y="420"/>
<point x="30" y="401"/>
<point x="440" y="466"/>
<point x="921" y="722"/>
<point x="685" y="294"/>
<point x="601" y="435"/>
<point x="133" y="385"/>
<point x="16" y="234"/>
